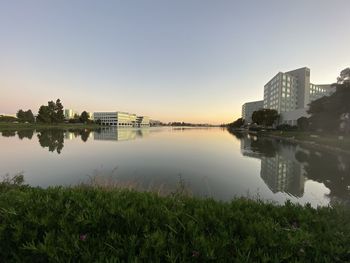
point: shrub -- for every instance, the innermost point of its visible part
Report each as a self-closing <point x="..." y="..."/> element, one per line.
<point x="85" y="224"/>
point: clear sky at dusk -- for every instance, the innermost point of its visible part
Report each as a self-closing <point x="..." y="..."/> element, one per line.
<point x="183" y="60"/>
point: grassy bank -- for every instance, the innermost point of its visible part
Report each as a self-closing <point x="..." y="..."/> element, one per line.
<point x="320" y="139"/>
<point x="85" y="224"/>
<point x="25" y="126"/>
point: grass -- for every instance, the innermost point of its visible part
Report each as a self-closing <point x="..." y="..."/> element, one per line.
<point x="6" y="126"/>
<point x="91" y="224"/>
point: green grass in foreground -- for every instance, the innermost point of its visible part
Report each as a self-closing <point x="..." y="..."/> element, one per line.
<point x="86" y="224"/>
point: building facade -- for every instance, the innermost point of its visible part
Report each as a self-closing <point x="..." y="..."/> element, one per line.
<point x="290" y="94"/>
<point x="248" y="109"/>
<point x="120" y="119"/>
<point x="142" y="121"/>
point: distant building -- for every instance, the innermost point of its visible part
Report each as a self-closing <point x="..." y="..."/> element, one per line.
<point x="248" y="109"/>
<point x="121" y="119"/>
<point x="142" y="121"/>
<point x="68" y="114"/>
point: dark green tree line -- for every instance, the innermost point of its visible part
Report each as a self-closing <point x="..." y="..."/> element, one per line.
<point x="25" y="116"/>
<point x="236" y="124"/>
<point x="265" y="117"/>
<point x="52" y="113"/>
<point x="328" y="113"/>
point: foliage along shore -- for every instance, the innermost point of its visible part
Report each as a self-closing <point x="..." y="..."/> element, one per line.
<point x="333" y="142"/>
<point x="339" y="143"/>
<point x="21" y="126"/>
<point x="323" y="141"/>
<point x="89" y="224"/>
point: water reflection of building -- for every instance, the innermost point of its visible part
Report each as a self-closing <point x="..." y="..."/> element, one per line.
<point x="279" y="169"/>
<point x="282" y="174"/>
<point x="69" y="135"/>
<point x="115" y="134"/>
<point x="246" y="147"/>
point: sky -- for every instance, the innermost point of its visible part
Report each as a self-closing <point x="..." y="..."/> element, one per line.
<point x="185" y="60"/>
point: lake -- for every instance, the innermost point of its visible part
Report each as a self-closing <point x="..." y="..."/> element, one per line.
<point x="208" y="162"/>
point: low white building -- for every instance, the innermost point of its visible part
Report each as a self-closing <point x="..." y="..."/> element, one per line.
<point x="120" y="119"/>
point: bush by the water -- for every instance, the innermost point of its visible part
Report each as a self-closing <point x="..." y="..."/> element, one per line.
<point x="85" y="224"/>
<point x="286" y="127"/>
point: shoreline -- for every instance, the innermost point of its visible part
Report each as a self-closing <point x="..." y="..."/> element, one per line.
<point x="24" y="126"/>
<point x="311" y="144"/>
<point x="321" y="142"/>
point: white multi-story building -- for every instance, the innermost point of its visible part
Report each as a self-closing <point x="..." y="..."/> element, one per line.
<point x="290" y="94"/>
<point x="121" y="119"/>
<point x="249" y="108"/>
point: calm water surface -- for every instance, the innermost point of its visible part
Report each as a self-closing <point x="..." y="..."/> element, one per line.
<point x="210" y="162"/>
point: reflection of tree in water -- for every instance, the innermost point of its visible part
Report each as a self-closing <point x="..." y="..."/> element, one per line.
<point x="330" y="169"/>
<point x="8" y="133"/>
<point x="267" y="148"/>
<point x="25" y="134"/>
<point x="85" y="135"/>
<point x="238" y="135"/>
<point x="53" y="139"/>
<point x="262" y="146"/>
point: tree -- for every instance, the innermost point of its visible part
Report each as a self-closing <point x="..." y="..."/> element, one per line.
<point x="84" y="117"/>
<point x="44" y="114"/>
<point x="29" y="116"/>
<point x="326" y="112"/>
<point x="52" y="113"/>
<point x="265" y="117"/>
<point x="25" y="116"/>
<point x="344" y="76"/>
<point x="303" y="123"/>
<point x="20" y="115"/>
<point x="237" y="123"/>
<point x="59" y="111"/>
